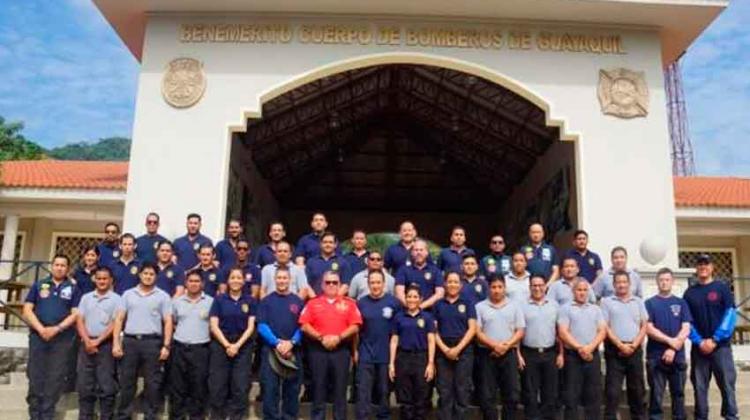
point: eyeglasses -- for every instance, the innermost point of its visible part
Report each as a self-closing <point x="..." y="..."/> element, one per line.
<point x="497" y="242"/>
<point x="152" y="222"/>
<point x="331" y="283"/>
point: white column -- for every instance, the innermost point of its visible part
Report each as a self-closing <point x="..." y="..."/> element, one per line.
<point x="10" y="232"/>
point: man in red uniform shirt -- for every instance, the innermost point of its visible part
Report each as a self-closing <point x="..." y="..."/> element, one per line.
<point x="330" y="321"/>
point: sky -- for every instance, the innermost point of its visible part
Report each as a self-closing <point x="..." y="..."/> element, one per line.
<point x="69" y="78"/>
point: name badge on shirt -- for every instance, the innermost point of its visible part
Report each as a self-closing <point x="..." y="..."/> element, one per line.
<point x="546" y="254"/>
<point x="387" y="312"/>
<point x="461" y="308"/>
<point x="66" y="293"/>
<point x="505" y="265"/>
<point x="212" y="277"/>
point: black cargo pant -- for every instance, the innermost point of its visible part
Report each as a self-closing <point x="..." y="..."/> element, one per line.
<point x="229" y="381"/>
<point x="188" y="381"/>
<point x="96" y="381"/>
<point x="47" y="372"/>
<point x="454" y="382"/>
<point x="412" y="389"/>
<point x="539" y="383"/>
<point x="140" y="353"/>
<point x="499" y="372"/>
<point x="329" y="368"/>
<point x="621" y="368"/>
<point x="582" y="385"/>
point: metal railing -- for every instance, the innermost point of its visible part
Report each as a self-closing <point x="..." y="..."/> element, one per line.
<point x="23" y="273"/>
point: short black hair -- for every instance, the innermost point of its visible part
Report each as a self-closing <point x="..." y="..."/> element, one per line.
<point x="580" y="232"/>
<point x="620" y="273"/>
<point x="92" y="248"/>
<point x="165" y="242"/>
<point x="415" y="288"/>
<point x="619" y="248"/>
<point x="327" y="234"/>
<point x="104" y="269"/>
<point x="194" y="216"/>
<point x="664" y="270"/>
<point x="469" y="256"/>
<point x="148" y="264"/>
<point x="496" y="277"/>
<point x="108" y="224"/>
<point x="126" y="236"/>
<point x="63" y="256"/>
<point x="155" y="214"/>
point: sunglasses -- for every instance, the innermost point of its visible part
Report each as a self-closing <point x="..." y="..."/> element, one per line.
<point x="375" y="259"/>
<point x="331" y="283"/>
<point x="152" y="222"/>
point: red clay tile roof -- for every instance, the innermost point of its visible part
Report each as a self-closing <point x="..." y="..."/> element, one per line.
<point x="64" y="174"/>
<point x="701" y="191"/>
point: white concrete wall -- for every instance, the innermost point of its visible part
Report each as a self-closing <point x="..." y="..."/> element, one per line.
<point x="180" y="158"/>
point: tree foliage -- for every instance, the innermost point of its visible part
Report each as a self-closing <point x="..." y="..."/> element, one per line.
<point x="14" y="146"/>
<point x="110" y="148"/>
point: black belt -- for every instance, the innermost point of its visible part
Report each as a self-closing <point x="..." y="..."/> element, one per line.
<point x="144" y="336"/>
<point x="539" y="349"/>
<point x="189" y="345"/>
<point x="411" y="351"/>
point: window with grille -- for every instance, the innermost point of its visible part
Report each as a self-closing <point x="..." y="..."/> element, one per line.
<point x="73" y="246"/>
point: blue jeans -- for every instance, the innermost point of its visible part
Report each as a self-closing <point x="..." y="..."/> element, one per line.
<point x="277" y="390"/>
<point x="659" y="375"/>
<point x="720" y="364"/>
<point x="372" y="378"/>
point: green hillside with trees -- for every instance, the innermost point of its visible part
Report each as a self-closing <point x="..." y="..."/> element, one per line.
<point x="14" y="146"/>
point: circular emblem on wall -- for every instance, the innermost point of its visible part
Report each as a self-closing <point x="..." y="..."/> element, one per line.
<point x="184" y="82"/>
<point x="623" y="93"/>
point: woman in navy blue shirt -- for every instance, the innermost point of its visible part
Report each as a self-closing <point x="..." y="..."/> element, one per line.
<point x="84" y="274"/>
<point x="456" y="321"/>
<point x="232" y="320"/>
<point x="412" y="356"/>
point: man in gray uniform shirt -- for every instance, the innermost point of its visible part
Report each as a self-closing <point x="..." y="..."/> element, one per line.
<point x="147" y="326"/>
<point x="627" y="322"/>
<point x="188" y="373"/>
<point x="541" y="355"/>
<point x="582" y="328"/>
<point x="298" y="285"/>
<point x="358" y="286"/>
<point x="604" y="285"/>
<point x="561" y="291"/>
<point x="96" y="366"/>
<point x="501" y="327"/>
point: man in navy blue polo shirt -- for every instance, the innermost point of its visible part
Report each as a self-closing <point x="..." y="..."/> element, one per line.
<point x="109" y="247"/>
<point x="668" y="327"/>
<point x="146" y="244"/>
<point x="496" y="261"/>
<point x="50" y="310"/>
<point x="186" y="247"/>
<point x="214" y="280"/>
<point x="420" y="272"/>
<point x="225" y="248"/>
<point x="266" y="253"/>
<point x="474" y="285"/>
<point x="589" y="263"/>
<point x="541" y="257"/>
<point x="278" y="317"/>
<point x="398" y="254"/>
<point x="714" y="314"/>
<point x="378" y="310"/>
<point x="250" y="270"/>
<point x="308" y="245"/>
<point x="327" y="260"/>
<point x="171" y="277"/>
<point x="357" y="257"/>
<point x="450" y="258"/>
<point x="125" y="268"/>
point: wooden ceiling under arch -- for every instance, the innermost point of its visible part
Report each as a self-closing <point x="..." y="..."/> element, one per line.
<point x="397" y="137"/>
